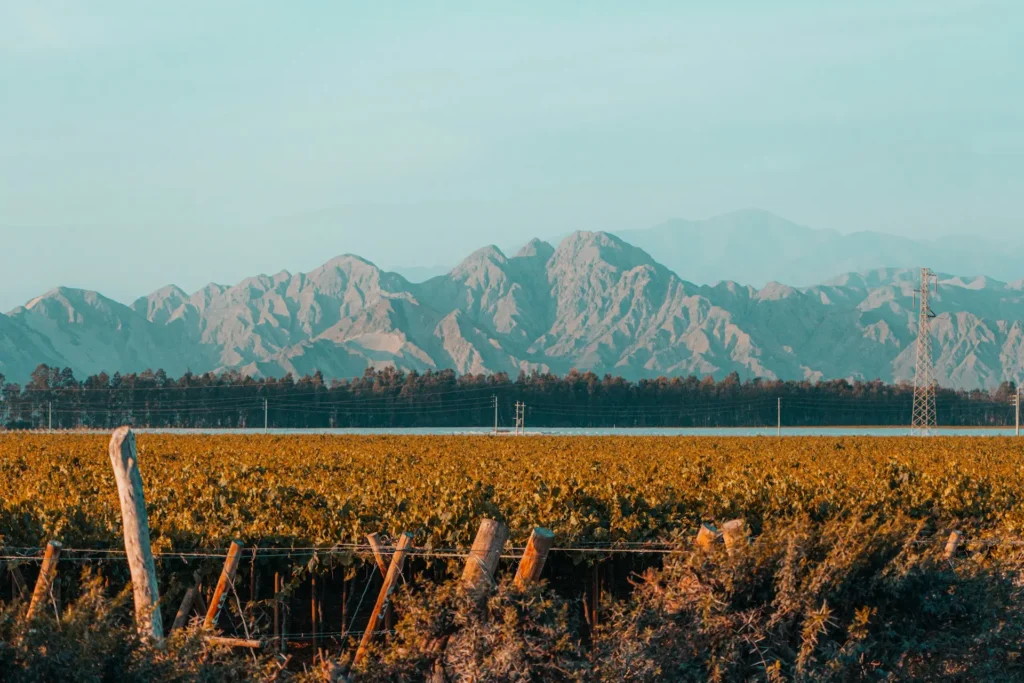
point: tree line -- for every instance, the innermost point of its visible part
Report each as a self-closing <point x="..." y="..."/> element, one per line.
<point x="386" y="398"/>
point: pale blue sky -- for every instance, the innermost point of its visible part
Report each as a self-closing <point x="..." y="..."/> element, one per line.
<point x="215" y="140"/>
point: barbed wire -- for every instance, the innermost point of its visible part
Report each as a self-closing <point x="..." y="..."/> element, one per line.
<point x="364" y="551"/>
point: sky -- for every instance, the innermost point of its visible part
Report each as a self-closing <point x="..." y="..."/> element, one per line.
<point x="143" y="144"/>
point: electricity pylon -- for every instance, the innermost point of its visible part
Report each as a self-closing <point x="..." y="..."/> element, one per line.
<point x="924" y="418"/>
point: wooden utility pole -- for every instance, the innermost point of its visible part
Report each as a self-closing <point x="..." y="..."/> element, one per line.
<point x="779" y="417"/>
<point x="44" y="583"/>
<point x="384" y="597"/>
<point x="482" y="562"/>
<point x="495" y="399"/>
<point x="532" y="563"/>
<point x="227" y="578"/>
<point x="266" y="421"/>
<point x="125" y="461"/>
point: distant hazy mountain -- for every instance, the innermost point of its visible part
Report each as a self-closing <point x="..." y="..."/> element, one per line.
<point x="421" y="273"/>
<point x="593" y="302"/>
<point x="758" y="247"/>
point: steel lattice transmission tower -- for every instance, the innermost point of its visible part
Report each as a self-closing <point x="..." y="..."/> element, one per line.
<point x="924" y="418"/>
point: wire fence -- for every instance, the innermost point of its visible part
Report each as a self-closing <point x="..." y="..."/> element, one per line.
<point x="30" y="554"/>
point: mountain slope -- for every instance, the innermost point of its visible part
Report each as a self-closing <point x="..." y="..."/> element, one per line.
<point x="592" y="302"/>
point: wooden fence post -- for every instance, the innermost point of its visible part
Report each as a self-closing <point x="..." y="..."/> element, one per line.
<point x="181" y="618"/>
<point x="736" y="534"/>
<point x="378" y="553"/>
<point x="384" y="598"/>
<point x="277" y="611"/>
<point x="47" y="573"/>
<point x="227" y="577"/>
<point x="951" y="545"/>
<point x="536" y="554"/>
<point x="483" y="558"/>
<point x="124" y="458"/>
<point x="708" y="536"/>
<point x="382" y="564"/>
<point x="312" y="608"/>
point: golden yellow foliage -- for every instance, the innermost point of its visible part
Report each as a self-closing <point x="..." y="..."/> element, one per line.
<point x="203" y="490"/>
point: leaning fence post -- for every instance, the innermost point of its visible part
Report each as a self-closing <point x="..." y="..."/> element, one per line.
<point x="536" y="554"/>
<point x="181" y="618"/>
<point x="382" y="564"/>
<point x="227" y="578"/>
<point x="951" y="545"/>
<point x="47" y="574"/>
<point x="384" y="598"/>
<point x="124" y="458"/>
<point x="378" y="552"/>
<point x="484" y="556"/>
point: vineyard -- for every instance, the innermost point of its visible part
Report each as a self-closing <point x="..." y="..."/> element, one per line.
<point x="844" y="572"/>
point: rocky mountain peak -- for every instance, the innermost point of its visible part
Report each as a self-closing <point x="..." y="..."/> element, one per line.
<point x="583" y="250"/>
<point x="536" y="249"/>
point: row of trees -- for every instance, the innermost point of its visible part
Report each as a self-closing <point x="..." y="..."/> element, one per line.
<point x="391" y="398"/>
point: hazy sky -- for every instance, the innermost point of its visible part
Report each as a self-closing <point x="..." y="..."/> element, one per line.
<point x="187" y="141"/>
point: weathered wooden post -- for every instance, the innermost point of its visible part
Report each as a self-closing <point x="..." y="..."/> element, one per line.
<point x="187" y="602"/>
<point x="378" y="552"/>
<point x="382" y="564"/>
<point x="181" y="618"/>
<point x="125" y="460"/>
<point x="227" y="578"/>
<point x="236" y="642"/>
<point x="482" y="562"/>
<point x="47" y="573"/>
<point x="536" y="554"/>
<point x="384" y="598"/>
<point x="952" y="545"/>
<point x="735" y="534"/>
<point x="312" y="608"/>
<point x="277" y="611"/>
<point x="708" y="536"/>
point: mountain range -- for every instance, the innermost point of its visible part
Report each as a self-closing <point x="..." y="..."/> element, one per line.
<point x="758" y="247"/>
<point x="595" y="301"/>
